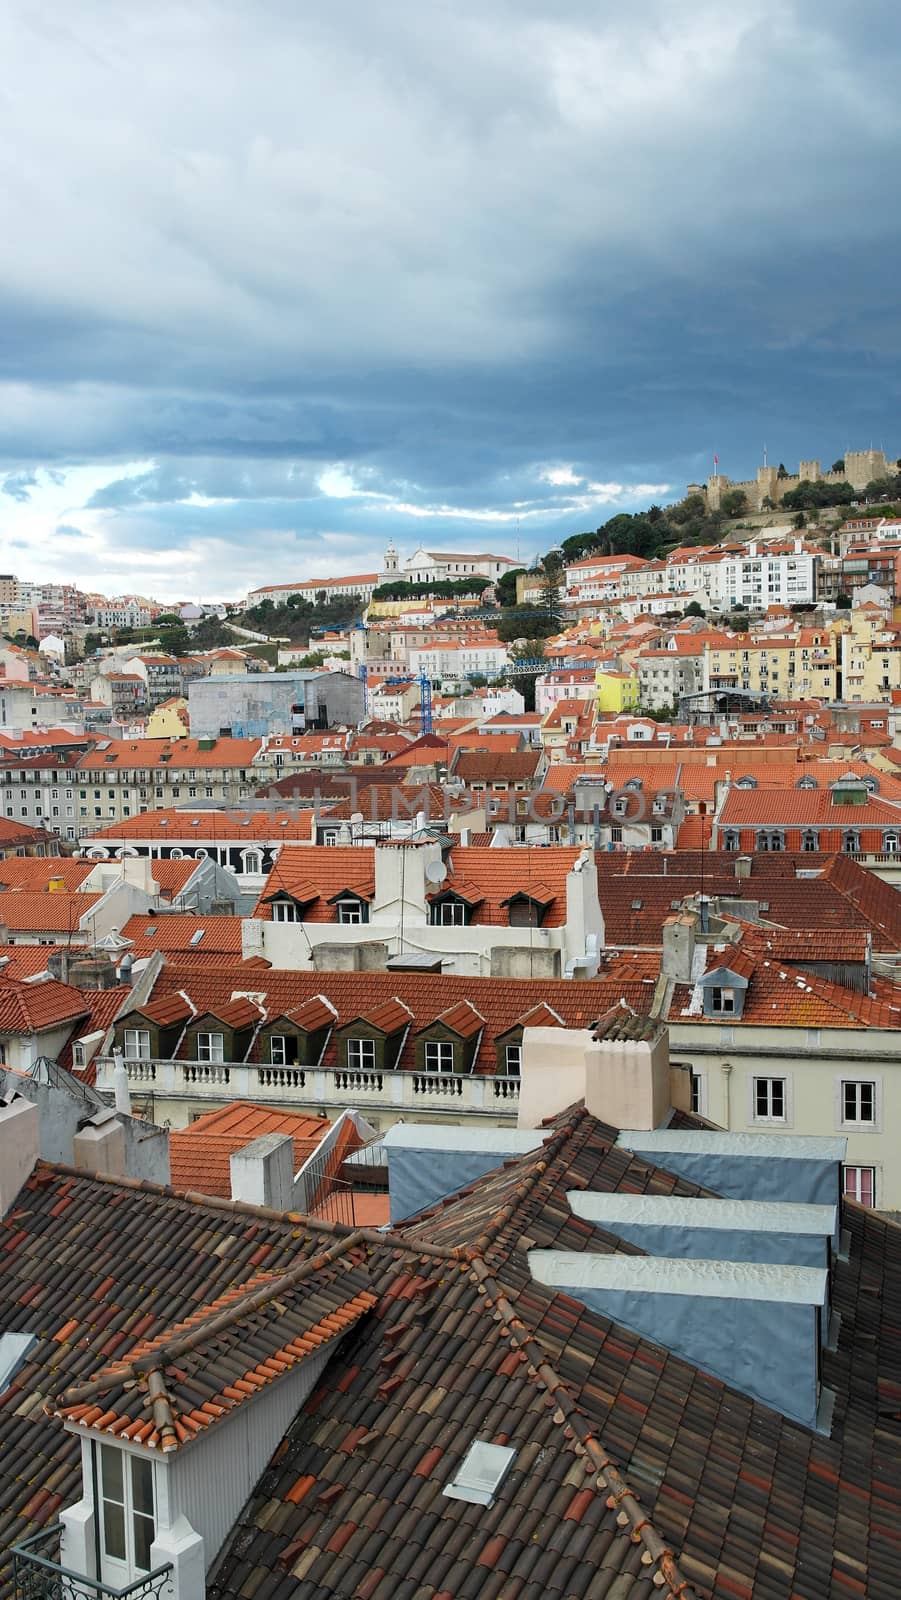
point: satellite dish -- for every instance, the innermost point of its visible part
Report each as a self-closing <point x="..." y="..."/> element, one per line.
<point x="436" y="872"/>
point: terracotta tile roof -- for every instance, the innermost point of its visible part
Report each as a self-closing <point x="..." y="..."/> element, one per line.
<point x="219" y="1357"/>
<point x="34" y="1007"/>
<point x="313" y="1015"/>
<point x="199" y="1156"/>
<point x="734" y="1500"/>
<point x="185" y="827"/>
<point x="174" y="876"/>
<point x="801" y="808"/>
<point x="13" y="834"/>
<point x="462" y="1018"/>
<point x="315" y="874"/>
<point x="801" y="945"/>
<point x="422" y="998"/>
<point x="24" y="912"/>
<point x="637" y="889"/>
<point x="167" y="1011"/>
<point x="103" y="1007"/>
<point x="23" y="960"/>
<point x="35" y="872"/>
<point x="177" y="930"/>
<point x="175" y="754"/>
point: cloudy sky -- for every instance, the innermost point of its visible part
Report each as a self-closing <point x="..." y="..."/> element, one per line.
<point x="281" y="281"/>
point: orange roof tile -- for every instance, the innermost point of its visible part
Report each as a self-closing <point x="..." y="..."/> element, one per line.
<point x="34" y="1007"/>
<point x="22" y="911"/>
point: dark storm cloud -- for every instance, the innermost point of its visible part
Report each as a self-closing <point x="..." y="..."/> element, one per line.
<point x="302" y="273"/>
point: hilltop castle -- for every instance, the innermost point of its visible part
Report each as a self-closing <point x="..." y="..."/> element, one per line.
<point x="861" y="467"/>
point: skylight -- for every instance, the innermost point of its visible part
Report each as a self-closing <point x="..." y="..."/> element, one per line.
<point x="14" y="1347"/>
<point x="480" y="1473"/>
<point x="196" y="937"/>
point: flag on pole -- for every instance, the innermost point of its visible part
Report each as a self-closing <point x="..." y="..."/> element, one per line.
<point x="716" y="461"/>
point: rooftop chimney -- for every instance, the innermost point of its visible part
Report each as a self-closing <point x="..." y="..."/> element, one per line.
<point x="100" y="1146"/>
<point x="627" y="1078"/>
<point x="678" y="947"/>
<point x="262" y="1174"/>
<point x="742" y="866"/>
<point x="20" y="1128"/>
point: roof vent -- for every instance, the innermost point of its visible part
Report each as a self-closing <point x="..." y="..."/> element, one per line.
<point x="480" y="1473"/>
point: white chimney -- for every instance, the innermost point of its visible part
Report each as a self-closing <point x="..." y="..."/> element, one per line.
<point x="552" y="1072"/>
<point x="121" y="1088"/>
<point x="100" y="1146"/>
<point x="20" y="1128"/>
<point x="262" y="1174"/>
<point x="627" y="1074"/>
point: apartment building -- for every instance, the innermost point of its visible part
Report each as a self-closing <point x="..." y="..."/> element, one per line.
<point x="669" y="670"/>
<point x="870" y="656"/>
<point x="799" y="665"/>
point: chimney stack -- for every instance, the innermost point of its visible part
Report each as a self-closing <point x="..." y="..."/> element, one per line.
<point x="678" y="947"/>
<point x="100" y="1146"/>
<point x="20" y="1129"/>
<point x="262" y="1174"/>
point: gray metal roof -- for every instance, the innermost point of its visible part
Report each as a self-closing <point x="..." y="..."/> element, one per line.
<point x="709" y="1280"/>
<point x="659" y="1211"/>
<point x="447" y="1136"/>
<point x="690" y="1141"/>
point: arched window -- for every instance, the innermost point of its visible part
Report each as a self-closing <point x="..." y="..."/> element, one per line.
<point x="731" y="839"/>
<point x="810" y="839"/>
<point x="807" y="782"/>
<point x="251" y="860"/>
<point x="746" y="783"/>
<point x="851" y="841"/>
<point x="890" y="841"/>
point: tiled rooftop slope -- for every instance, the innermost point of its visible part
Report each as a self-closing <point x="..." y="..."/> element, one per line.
<point x="635" y="1474"/>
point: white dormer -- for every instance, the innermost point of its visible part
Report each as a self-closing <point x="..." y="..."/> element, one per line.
<point x="175" y="1436"/>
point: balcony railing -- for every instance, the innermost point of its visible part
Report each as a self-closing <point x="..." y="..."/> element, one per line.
<point x="293" y="1085"/>
<point x="38" y="1575"/>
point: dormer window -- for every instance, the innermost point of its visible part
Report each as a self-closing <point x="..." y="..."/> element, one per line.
<point x="731" y="839"/>
<point x="78" y="1057"/>
<point x="210" y="1047"/>
<point x="361" y="1055"/>
<point x="528" y="908"/>
<point x="746" y="783"/>
<point x="285" y="911"/>
<point x="438" y="1055"/>
<point x="513" y="1060"/>
<point x="136" y="1044"/>
<point x="770" y="839"/>
<point x="807" y="782"/>
<point x="722" y="1002"/>
<point x="128" y="1515"/>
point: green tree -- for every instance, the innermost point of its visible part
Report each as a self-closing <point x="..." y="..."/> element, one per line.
<point x="525" y="622"/>
<point x="838" y="466"/>
<point x="735" y="503"/>
<point x="843" y="602"/>
<point x="693" y="609"/>
<point x="799" y="519"/>
<point x="505" y="587"/>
